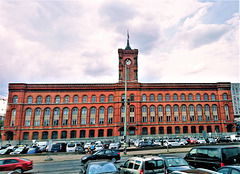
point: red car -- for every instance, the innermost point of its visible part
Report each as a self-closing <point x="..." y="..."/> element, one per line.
<point x="192" y="141"/>
<point x="15" y="164"/>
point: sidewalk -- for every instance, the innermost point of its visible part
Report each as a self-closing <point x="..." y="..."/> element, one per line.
<point x="73" y="156"/>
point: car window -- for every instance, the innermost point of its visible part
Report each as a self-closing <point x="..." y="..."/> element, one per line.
<point x="126" y="164"/>
<point x="213" y="153"/>
<point x="137" y="164"/>
<point x="193" y="153"/>
<point x="235" y="171"/>
<point x="10" y="161"/>
<point x="223" y="171"/>
<point x="154" y="164"/>
<point x="108" y="151"/>
<point x="130" y="165"/>
<point x="230" y="153"/>
<point x="2" y="162"/>
<point x="100" y="152"/>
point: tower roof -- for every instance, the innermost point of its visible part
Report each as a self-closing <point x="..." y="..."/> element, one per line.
<point x="128" y="45"/>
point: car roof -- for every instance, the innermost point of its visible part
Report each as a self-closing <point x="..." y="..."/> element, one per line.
<point x="214" y="147"/>
<point x="146" y="158"/>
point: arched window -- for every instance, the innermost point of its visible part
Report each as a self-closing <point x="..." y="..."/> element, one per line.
<point x="213" y="97"/>
<point x="37" y="117"/>
<point x="184" y="112"/>
<point x="159" y="97"/>
<point x="75" y="99"/>
<point x="207" y="113"/>
<point x="122" y="114"/>
<point x="101" y="115"/>
<point x="93" y="98"/>
<point x="28" y="117"/>
<point x="74" y="116"/>
<point x="82" y="133"/>
<point x="199" y="112"/>
<point x="151" y="97"/>
<point x="144" y="113"/>
<point x="176" y="113"/>
<point x="48" y="99"/>
<point x="46" y="116"/>
<point x="29" y="100"/>
<point x="39" y="99"/>
<point x="215" y="113"/>
<point x="65" y="116"/>
<point x="56" y="117"/>
<point x="175" y="97"/>
<point x="84" y="99"/>
<point x="100" y="132"/>
<point x="198" y="97"/>
<point x="110" y="115"/>
<point x="225" y="96"/>
<point x="193" y="129"/>
<point x="168" y="113"/>
<point x="161" y="130"/>
<point x="185" y="129"/>
<point x="160" y="113"/>
<point x="205" y="97"/>
<point x="73" y="134"/>
<point x="25" y="135"/>
<point x="226" y="112"/>
<point x="192" y="114"/>
<point x="92" y="115"/>
<point x="183" y="98"/>
<point x="169" y="130"/>
<point x="152" y="113"/>
<point x="57" y="99"/>
<point x="66" y="99"/>
<point x="110" y="98"/>
<point x="190" y="97"/>
<point x="84" y="116"/>
<point x="109" y="132"/>
<point x="15" y="99"/>
<point x="35" y="136"/>
<point x="102" y="99"/>
<point x="91" y="133"/>
<point x="167" y="97"/>
<point x="144" y="97"/>
<point x="153" y="130"/>
<point x="13" y="117"/>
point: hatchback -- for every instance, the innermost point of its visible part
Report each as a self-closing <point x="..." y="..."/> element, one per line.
<point x="15" y="164"/>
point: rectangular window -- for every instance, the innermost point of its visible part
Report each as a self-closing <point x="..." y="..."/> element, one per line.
<point x="27" y="123"/>
<point x="176" y="118"/>
<point x="215" y="117"/>
<point x="12" y="123"/>
<point x="160" y="118"/>
<point x="192" y="118"/>
<point x="122" y="119"/>
<point x="74" y="122"/>
<point x="168" y="118"/>
<point x="144" y="119"/>
<point x="184" y="118"/>
<point x="65" y="122"/>
<point x="83" y="121"/>
<point x="101" y="120"/>
<point x="152" y="119"/>
<point x="37" y="123"/>
<point x="131" y="119"/>
<point x="92" y="121"/>
<point x="200" y="118"/>
<point x="110" y="120"/>
<point x="46" y="123"/>
<point x="55" y="122"/>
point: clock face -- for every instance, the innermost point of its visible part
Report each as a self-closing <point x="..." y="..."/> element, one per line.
<point x="128" y="62"/>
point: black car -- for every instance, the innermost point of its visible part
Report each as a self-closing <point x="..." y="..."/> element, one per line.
<point x="229" y="169"/>
<point x="223" y="140"/>
<point x="99" y="167"/>
<point x="175" y="164"/>
<point x="103" y="154"/>
<point x="213" y="157"/>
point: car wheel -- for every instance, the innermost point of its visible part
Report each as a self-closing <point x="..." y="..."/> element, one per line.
<point x="114" y="160"/>
<point x="19" y="170"/>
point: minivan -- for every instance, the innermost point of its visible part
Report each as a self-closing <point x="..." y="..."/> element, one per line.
<point x="213" y="157"/>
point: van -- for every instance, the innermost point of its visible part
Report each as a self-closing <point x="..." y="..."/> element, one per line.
<point x="213" y="157"/>
<point x="59" y="147"/>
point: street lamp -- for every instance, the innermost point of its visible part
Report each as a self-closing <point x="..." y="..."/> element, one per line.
<point x="127" y="62"/>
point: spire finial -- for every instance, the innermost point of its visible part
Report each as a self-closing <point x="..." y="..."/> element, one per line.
<point x="128" y="45"/>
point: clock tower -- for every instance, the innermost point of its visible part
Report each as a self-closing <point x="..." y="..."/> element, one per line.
<point x="128" y="57"/>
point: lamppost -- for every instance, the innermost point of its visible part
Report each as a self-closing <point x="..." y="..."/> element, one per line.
<point x="127" y="62"/>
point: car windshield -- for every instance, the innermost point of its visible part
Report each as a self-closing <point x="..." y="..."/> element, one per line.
<point x="99" y="146"/>
<point x="32" y="149"/>
<point x="173" y="162"/>
<point x="56" y="145"/>
<point x="19" y="149"/>
<point x="71" y="145"/>
<point x="102" y="168"/>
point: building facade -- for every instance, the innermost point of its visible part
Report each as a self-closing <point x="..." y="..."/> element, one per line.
<point x="73" y="111"/>
<point x="235" y="90"/>
<point x="3" y="108"/>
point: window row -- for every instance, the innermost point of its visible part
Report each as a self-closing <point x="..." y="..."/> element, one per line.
<point x="102" y="98"/>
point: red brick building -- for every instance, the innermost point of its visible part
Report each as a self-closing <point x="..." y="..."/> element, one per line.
<point x="69" y="111"/>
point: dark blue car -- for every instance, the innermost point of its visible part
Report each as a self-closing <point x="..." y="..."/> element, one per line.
<point x="34" y="150"/>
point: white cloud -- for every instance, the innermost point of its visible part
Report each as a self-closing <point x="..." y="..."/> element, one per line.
<point x="77" y="41"/>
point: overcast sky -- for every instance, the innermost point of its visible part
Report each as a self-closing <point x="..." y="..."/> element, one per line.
<point x="77" y="41"/>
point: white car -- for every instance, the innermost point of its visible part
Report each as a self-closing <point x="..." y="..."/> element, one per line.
<point x="87" y="145"/>
<point x="201" y="141"/>
<point x="171" y="143"/>
<point x="158" y="142"/>
<point x="98" y="147"/>
<point x="113" y="146"/>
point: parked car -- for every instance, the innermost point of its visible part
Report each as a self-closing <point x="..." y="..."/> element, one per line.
<point x="20" y="150"/>
<point x="59" y="147"/>
<point x="210" y="141"/>
<point x="106" y="145"/>
<point x="192" y="141"/>
<point x="172" y="143"/>
<point x="5" y="146"/>
<point x="71" y="147"/>
<point x="175" y="164"/>
<point x="99" y="167"/>
<point x="223" y="140"/>
<point x="98" y="147"/>
<point x="15" y="164"/>
<point x="195" y="171"/>
<point x="34" y="150"/>
<point x="213" y="157"/>
<point x="113" y="146"/>
<point x="145" y="164"/>
<point x="235" y="138"/>
<point x="87" y="145"/>
<point x="158" y="142"/>
<point x="229" y="169"/>
<point x="201" y="141"/>
<point x="5" y="151"/>
<point x="146" y="144"/>
<point x="183" y="141"/>
<point x="103" y="154"/>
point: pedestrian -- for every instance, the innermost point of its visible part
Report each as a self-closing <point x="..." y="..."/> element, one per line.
<point x="89" y="149"/>
<point x="92" y="148"/>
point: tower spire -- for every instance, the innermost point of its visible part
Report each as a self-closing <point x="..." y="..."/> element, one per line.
<point x="128" y="45"/>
